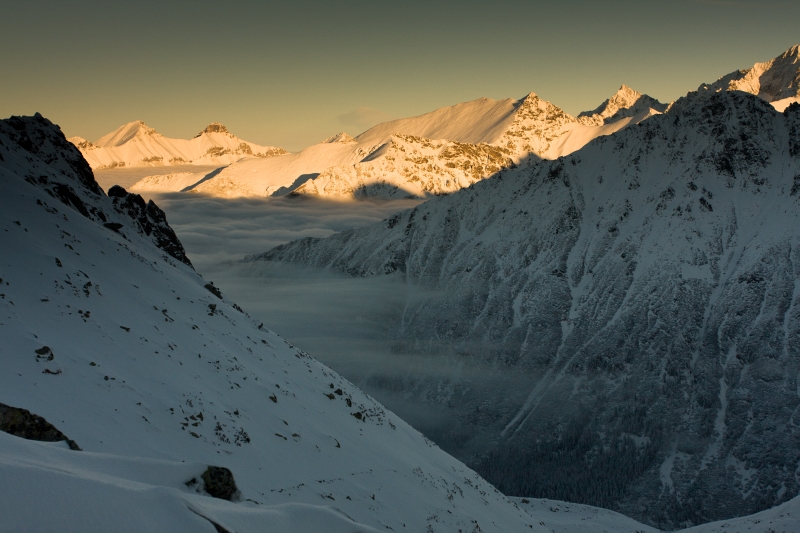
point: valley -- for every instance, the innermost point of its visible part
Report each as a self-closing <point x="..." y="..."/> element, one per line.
<point x="494" y="316"/>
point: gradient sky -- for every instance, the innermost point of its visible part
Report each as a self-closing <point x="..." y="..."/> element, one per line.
<point x="292" y="73"/>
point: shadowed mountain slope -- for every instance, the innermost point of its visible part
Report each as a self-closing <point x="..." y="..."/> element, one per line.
<point x="647" y="285"/>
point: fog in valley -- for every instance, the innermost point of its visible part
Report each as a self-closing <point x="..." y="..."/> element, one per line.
<point x="348" y="323"/>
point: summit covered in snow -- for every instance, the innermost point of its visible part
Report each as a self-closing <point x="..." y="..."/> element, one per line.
<point x="777" y="81"/>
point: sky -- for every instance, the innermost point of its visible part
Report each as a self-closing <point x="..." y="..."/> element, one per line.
<point x="291" y="74"/>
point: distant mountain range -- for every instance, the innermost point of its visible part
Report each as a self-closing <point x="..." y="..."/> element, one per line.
<point x="648" y="286"/>
<point x="777" y="81"/>
<point x="137" y="144"/>
<point x="449" y="148"/>
<point x="433" y="154"/>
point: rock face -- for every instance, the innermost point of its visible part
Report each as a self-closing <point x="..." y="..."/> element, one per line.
<point x="151" y="221"/>
<point x="218" y="482"/>
<point x="214" y="127"/>
<point x="56" y="166"/>
<point x="22" y="423"/>
<point x="646" y="285"/>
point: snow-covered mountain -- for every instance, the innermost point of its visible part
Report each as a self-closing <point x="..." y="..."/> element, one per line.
<point x="625" y="103"/>
<point x="137" y="144"/>
<point x="109" y="334"/>
<point x="776" y="81"/>
<point x="647" y="285"/>
<point x="433" y="154"/>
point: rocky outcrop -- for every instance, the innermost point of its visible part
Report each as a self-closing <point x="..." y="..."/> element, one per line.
<point x="218" y="482"/>
<point x="56" y="166"/>
<point x="150" y="220"/>
<point x="24" y="424"/>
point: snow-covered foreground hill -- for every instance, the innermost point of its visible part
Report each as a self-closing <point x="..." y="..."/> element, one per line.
<point x="645" y="286"/>
<point x="136" y="144"/>
<point x="109" y="334"/>
<point x="433" y="154"/>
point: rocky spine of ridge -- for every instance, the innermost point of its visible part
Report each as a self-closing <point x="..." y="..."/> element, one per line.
<point x="411" y="167"/>
<point x="74" y="185"/>
<point x="646" y="285"/>
<point x="536" y="126"/>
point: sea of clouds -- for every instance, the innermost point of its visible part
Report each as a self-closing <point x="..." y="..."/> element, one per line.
<point x="348" y="323"/>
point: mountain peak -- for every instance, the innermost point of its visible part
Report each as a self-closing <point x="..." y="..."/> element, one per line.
<point x="126" y="133"/>
<point x="214" y="127"/>
<point x="341" y="137"/>
<point x="625" y="91"/>
<point x="772" y="80"/>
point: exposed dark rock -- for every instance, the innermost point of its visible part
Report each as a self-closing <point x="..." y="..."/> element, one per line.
<point x="42" y="138"/>
<point x="22" y="423"/>
<point x="214" y="290"/>
<point x="113" y="226"/>
<point x="58" y="168"/>
<point x="218" y="482"/>
<point x="151" y="221"/>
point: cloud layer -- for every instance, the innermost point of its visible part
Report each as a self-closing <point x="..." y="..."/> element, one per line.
<point x="348" y="323"/>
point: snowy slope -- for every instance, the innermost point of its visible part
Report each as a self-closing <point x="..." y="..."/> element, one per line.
<point x="479" y="121"/>
<point x="646" y="285"/>
<point x="785" y="518"/>
<point x="156" y="376"/>
<point x="432" y="154"/>
<point x="137" y="144"/>
<point x="565" y="517"/>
